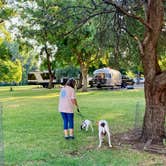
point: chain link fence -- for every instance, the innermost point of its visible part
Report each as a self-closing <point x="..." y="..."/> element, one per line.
<point x="1" y="138"/>
<point x="139" y="114"/>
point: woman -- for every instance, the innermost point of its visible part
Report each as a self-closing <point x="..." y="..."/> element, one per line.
<point x="67" y="101"/>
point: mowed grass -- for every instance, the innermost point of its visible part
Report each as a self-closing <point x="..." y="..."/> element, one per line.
<point x="33" y="132"/>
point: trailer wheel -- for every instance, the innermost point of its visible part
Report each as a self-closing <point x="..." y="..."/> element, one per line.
<point x="91" y="86"/>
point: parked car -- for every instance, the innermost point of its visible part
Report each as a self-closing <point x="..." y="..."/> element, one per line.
<point x="139" y="80"/>
<point x="127" y="82"/>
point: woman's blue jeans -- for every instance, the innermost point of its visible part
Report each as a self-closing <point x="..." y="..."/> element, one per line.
<point x="68" y="120"/>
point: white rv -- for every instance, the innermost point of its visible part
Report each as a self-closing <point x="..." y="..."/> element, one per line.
<point x="106" y="77"/>
<point x="39" y="78"/>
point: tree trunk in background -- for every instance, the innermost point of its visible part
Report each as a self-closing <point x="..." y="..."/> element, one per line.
<point x="84" y="72"/>
<point x="155" y="80"/>
<point x="79" y="85"/>
<point x="51" y="74"/>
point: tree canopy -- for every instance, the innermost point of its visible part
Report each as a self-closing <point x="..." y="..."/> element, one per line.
<point x="10" y="67"/>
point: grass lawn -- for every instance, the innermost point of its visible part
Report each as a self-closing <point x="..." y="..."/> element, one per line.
<point x="33" y="133"/>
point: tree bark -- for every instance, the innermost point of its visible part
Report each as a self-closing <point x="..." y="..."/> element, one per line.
<point x="84" y="72"/>
<point x="51" y="75"/>
<point x="155" y="79"/>
<point x="79" y="85"/>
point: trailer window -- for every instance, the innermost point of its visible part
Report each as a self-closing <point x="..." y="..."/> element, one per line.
<point x="108" y="75"/>
<point x="31" y="77"/>
<point x="45" y="76"/>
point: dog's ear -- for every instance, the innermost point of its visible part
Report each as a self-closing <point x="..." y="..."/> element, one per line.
<point x="81" y="127"/>
<point x="102" y="124"/>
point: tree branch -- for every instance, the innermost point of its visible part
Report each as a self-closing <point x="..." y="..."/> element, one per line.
<point x="137" y="39"/>
<point x="82" y="22"/>
<point x="122" y="10"/>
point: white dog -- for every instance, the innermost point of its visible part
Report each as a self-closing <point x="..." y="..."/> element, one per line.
<point x="86" y="124"/>
<point x="103" y="130"/>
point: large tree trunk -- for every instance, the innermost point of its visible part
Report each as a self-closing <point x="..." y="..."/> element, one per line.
<point x="155" y="79"/>
<point x="154" y="119"/>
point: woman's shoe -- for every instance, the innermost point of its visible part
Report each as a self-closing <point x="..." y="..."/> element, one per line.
<point x="71" y="137"/>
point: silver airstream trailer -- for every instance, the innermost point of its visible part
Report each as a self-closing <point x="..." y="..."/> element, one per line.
<point x="106" y="77"/>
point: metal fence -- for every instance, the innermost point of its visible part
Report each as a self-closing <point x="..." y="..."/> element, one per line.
<point x="139" y="114"/>
<point x="1" y="138"/>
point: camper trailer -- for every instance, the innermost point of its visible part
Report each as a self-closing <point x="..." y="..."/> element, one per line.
<point x="106" y="77"/>
<point x="39" y="78"/>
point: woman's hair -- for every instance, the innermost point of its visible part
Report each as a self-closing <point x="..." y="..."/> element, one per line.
<point x="71" y="82"/>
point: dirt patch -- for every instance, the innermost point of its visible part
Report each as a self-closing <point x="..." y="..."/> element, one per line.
<point x="132" y="138"/>
<point x="74" y="153"/>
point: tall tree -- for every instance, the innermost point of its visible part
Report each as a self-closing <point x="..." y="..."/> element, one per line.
<point x="155" y="78"/>
<point x="83" y="49"/>
<point x="10" y="71"/>
<point x="28" y="58"/>
<point x="37" y="19"/>
<point x="155" y="84"/>
<point x="10" y="67"/>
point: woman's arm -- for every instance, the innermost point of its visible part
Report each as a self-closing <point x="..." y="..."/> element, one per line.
<point x="74" y="101"/>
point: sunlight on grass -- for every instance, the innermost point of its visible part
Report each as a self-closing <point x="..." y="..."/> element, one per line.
<point x="33" y="97"/>
<point x="112" y="115"/>
<point x="9" y="99"/>
<point x="85" y="93"/>
<point x="13" y="105"/>
<point x="46" y="96"/>
<point x="18" y="88"/>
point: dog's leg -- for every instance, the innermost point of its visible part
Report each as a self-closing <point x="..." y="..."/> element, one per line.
<point x="87" y="126"/>
<point x="109" y="139"/>
<point x="100" y="140"/>
<point x="109" y="136"/>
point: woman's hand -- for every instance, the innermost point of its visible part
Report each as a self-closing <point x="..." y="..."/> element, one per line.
<point x="78" y="110"/>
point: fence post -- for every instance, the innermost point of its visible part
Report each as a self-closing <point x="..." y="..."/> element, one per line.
<point x="1" y="138"/>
